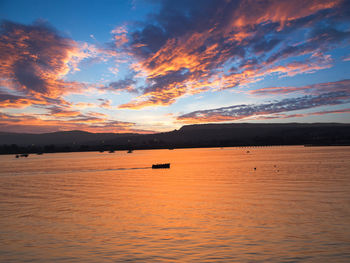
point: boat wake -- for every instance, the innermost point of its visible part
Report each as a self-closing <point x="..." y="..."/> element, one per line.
<point x="77" y="171"/>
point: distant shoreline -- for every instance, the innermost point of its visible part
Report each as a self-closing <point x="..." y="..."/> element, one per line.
<point x="190" y="136"/>
<point x="178" y="148"/>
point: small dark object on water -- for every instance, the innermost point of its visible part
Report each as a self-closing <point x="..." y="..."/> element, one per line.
<point x="24" y="155"/>
<point x="130" y="151"/>
<point x="254" y="168"/>
<point x="161" y="165"/>
<point x="248" y="151"/>
<point x="111" y="151"/>
<point x="17" y="156"/>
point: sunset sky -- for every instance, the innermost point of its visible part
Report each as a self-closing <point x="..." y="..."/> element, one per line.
<point x="146" y="66"/>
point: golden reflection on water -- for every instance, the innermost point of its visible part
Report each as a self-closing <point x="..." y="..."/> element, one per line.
<point x="211" y="206"/>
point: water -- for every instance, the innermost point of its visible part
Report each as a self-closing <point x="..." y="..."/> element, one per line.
<point x="211" y="206"/>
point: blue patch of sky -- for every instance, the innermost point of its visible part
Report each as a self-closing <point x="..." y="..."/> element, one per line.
<point x="77" y="19"/>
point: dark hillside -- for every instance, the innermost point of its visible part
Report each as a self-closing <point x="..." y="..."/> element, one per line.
<point x="204" y="135"/>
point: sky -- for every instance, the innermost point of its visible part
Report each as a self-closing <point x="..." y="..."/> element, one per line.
<point x="149" y="66"/>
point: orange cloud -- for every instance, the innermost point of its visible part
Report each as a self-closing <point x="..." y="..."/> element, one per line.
<point x="10" y="101"/>
<point x="190" y="57"/>
<point x="62" y="112"/>
<point x="317" y="95"/>
<point x="250" y="12"/>
<point x="38" y="124"/>
<point x="34" y="62"/>
<point x="35" y="58"/>
<point x="301" y="115"/>
<point x="200" y="82"/>
<point x="319" y="88"/>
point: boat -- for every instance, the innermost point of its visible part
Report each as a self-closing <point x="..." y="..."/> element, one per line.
<point x="130" y="151"/>
<point x="24" y="155"/>
<point x="161" y="166"/>
<point x="111" y="151"/>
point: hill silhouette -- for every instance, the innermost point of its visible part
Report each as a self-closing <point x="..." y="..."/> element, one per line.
<point x="199" y="135"/>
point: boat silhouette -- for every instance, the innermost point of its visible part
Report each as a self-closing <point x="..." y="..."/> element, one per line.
<point x="161" y="166"/>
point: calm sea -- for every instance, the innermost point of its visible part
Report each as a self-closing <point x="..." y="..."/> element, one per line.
<point x="210" y="206"/>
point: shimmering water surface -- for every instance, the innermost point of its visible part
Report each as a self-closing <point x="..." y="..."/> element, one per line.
<point x="211" y="206"/>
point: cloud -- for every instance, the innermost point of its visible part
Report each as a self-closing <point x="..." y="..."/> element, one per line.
<point x="62" y="112"/>
<point x="8" y="100"/>
<point x="187" y="47"/>
<point x="319" y="88"/>
<point x="120" y="36"/>
<point x="105" y="103"/>
<point x="300" y="115"/>
<point x="155" y="94"/>
<point x="13" y="101"/>
<point x="35" y="58"/>
<point x="322" y="94"/>
<point x="92" y="122"/>
<point x="84" y="105"/>
<point x="126" y="84"/>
